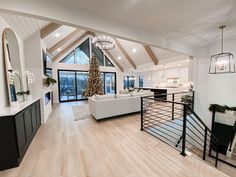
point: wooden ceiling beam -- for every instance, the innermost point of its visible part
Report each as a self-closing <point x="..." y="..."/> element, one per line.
<point x="151" y="54"/>
<point x="49" y="29"/>
<point x="58" y="56"/>
<point x="64" y="40"/>
<point x="114" y="60"/>
<point x="125" y="54"/>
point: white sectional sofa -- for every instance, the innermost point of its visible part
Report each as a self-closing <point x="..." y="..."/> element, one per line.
<point x="105" y="106"/>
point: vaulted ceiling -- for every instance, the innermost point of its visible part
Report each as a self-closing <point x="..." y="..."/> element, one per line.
<point x="24" y="26"/>
<point x="128" y="54"/>
<point x="164" y="23"/>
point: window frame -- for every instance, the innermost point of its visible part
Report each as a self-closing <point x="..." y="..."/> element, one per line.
<point x="75" y="71"/>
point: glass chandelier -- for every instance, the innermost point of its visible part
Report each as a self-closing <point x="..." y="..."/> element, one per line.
<point x="103" y="42"/>
<point x="223" y="62"/>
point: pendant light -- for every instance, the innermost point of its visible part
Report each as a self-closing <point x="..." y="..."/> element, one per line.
<point x="223" y="62"/>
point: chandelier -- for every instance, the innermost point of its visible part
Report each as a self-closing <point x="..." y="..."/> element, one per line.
<point x="223" y="62"/>
<point x="103" y="42"/>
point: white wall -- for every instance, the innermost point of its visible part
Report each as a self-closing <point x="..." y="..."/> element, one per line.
<point x="3" y="83"/>
<point x="34" y="63"/>
<point x="213" y="89"/>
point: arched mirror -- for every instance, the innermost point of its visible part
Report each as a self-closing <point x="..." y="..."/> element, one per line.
<point x="12" y="66"/>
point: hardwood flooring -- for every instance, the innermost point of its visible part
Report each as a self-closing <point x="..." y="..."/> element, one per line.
<point x="109" y="148"/>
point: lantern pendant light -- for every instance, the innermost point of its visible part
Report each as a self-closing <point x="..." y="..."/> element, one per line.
<point x="223" y="62"/>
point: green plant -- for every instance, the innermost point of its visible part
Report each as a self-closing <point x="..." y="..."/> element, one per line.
<point x="187" y="99"/>
<point x="23" y="93"/>
<point x="50" y="81"/>
<point x="221" y="108"/>
<point x="217" y="108"/>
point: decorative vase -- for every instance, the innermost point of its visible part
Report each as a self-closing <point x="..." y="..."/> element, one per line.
<point x="29" y="97"/>
<point x="20" y="98"/>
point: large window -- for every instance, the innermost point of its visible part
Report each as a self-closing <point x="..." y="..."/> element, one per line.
<point x="141" y="78"/>
<point x="109" y="82"/>
<point x="82" y="80"/>
<point x="108" y="62"/>
<point x="82" y="53"/>
<point x="72" y="84"/>
<point x="99" y="55"/>
<point x="129" y="82"/>
<point x="69" y="59"/>
<point x="67" y="85"/>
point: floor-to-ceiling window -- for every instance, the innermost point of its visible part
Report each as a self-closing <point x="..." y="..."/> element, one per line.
<point x="67" y="85"/>
<point x="129" y="82"/>
<point x="82" y="80"/>
<point x="72" y="84"/>
<point x="141" y="78"/>
<point x="109" y="82"/>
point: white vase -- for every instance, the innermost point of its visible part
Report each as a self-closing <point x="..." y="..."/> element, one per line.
<point x="20" y="98"/>
<point x="29" y="97"/>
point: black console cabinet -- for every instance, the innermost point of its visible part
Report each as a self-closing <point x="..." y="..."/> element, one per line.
<point x="16" y="134"/>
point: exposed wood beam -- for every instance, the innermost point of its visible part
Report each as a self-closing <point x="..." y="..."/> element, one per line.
<point x="114" y="60"/>
<point x="49" y="29"/>
<point x="64" y="40"/>
<point x="125" y="54"/>
<point x="70" y="46"/>
<point x="151" y="54"/>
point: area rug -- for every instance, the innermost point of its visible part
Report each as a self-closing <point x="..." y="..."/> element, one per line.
<point x="81" y="112"/>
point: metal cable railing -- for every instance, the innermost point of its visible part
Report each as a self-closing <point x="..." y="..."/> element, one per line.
<point x="173" y="121"/>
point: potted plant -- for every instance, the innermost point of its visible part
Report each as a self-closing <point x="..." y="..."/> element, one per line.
<point x="49" y="81"/>
<point x="217" y="108"/>
<point x="187" y="99"/>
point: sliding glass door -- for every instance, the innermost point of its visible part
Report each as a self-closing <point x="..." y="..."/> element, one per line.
<point x="72" y="84"/>
<point x="82" y="79"/>
<point x="129" y="82"/>
<point x="110" y="83"/>
<point x="67" y="85"/>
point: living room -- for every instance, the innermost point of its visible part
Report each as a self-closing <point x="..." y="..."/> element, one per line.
<point x="79" y="79"/>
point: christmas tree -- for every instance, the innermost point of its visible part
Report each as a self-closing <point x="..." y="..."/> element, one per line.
<point x="95" y="85"/>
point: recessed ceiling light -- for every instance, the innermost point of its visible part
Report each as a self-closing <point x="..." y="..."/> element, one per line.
<point x="134" y="50"/>
<point x="57" y="34"/>
<point x="119" y="57"/>
<point x="59" y="49"/>
<point x="179" y="65"/>
<point x="187" y="60"/>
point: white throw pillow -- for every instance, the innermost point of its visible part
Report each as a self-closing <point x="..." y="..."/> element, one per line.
<point x="122" y="95"/>
<point x="104" y="97"/>
<point x="136" y="93"/>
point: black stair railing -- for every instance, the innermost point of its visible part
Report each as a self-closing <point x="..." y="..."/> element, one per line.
<point x="175" y="123"/>
<point x="233" y="136"/>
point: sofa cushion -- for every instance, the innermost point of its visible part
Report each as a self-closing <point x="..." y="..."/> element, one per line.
<point x="136" y="93"/>
<point x="123" y="95"/>
<point x="104" y="97"/>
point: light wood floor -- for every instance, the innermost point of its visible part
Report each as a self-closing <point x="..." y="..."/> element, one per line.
<point x="110" y="148"/>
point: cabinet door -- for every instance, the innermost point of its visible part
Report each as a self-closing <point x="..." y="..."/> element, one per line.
<point x="38" y="114"/>
<point x="20" y="131"/>
<point x="28" y="123"/>
<point x="34" y="117"/>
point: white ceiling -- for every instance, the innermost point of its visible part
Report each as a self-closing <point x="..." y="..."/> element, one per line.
<point x="24" y="26"/>
<point x="192" y="21"/>
<point x="179" y="25"/>
<point x="62" y="31"/>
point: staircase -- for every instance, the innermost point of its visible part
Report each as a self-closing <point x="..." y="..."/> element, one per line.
<point x="176" y="124"/>
<point x="234" y="154"/>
